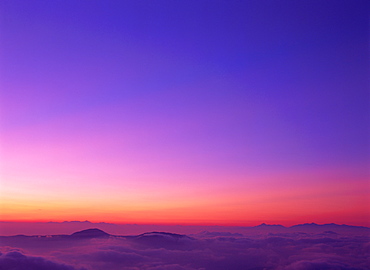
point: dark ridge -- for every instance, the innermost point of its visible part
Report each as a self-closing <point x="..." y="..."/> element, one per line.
<point x="307" y="224"/>
<point x="270" y="226"/>
<point x="153" y="234"/>
<point x="327" y="225"/>
<point x="165" y="240"/>
<point x="90" y="233"/>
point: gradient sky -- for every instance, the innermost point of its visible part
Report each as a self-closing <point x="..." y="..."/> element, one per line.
<point x="185" y="112"/>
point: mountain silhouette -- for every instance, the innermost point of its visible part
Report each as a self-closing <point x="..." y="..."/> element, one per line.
<point x="162" y="234"/>
<point x="264" y="225"/>
<point x="307" y="225"/>
<point x="90" y="233"/>
<point x="163" y="240"/>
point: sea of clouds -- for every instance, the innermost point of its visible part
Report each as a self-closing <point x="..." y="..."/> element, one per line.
<point x="206" y="250"/>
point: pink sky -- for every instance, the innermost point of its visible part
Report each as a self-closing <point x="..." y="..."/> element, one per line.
<point x="235" y="114"/>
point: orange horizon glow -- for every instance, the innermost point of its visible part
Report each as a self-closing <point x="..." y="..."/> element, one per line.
<point x="363" y="223"/>
<point x="200" y="118"/>
<point x="252" y="203"/>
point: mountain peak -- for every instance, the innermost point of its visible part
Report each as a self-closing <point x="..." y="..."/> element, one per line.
<point x="90" y="233"/>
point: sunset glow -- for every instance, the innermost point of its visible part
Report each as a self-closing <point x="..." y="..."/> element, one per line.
<point x="195" y="113"/>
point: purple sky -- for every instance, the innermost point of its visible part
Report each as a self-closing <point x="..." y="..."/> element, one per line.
<point x="158" y="107"/>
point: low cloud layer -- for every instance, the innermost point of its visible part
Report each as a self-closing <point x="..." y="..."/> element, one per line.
<point x="15" y="260"/>
<point x="206" y="251"/>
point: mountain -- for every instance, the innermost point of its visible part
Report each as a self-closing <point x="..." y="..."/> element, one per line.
<point x="331" y="227"/>
<point x="162" y="234"/>
<point x="264" y="225"/>
<point x="90" y="233"/>
<point x="307" y="225"/>
<point x="166" y="240"/>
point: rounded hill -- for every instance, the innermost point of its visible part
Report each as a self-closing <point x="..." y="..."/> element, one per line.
<point x="90" y="233"/>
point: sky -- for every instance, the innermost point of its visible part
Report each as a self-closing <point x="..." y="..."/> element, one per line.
<point x="185" y="112"/>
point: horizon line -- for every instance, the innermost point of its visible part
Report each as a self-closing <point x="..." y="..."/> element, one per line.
<point x="179" y="224"/>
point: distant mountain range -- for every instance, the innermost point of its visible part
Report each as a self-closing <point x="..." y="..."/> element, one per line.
<point x="262" y="225"/>
<point x="97" y="233"/>
<point x="326" y="225"/>
<point x="309" y="228"/>
<point x="79" y="227"/>
<point x="307" y="225"/>
<point x="153" y="239"/>
<point x="331" y="228"/>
